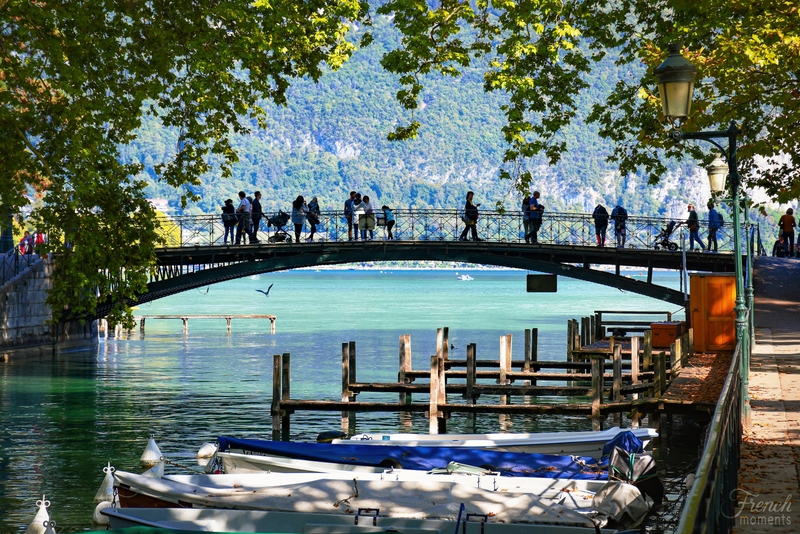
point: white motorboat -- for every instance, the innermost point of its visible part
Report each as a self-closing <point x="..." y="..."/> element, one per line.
<point x="396" y="494"/>
<point x="572" y="443"/>
<point x="360" y="522"/>
<point x="464" y="277"/>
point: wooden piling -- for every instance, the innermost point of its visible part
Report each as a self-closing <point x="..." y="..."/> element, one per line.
<point x="675" y="358"/>
<point x="345" y="385"/>
<point x="469" y="393"/>
<point x="441" y="391"/>
<point x="433" y="408"/>
<point x="228" y="323"/>
<point x="635" y="342"/>
<point x="647" y="356"/>
<point x="352" y="376"/>
<point x="276" y="397"/>
<point x="690" y="342"/>
<point x="446" y="343"/>
<point x="405" y="365"/>
<point x="534" y="350"/>
<point x="659" y="374"/>
<point x="597" y="391"/>
<point x="616" y="388"/>
<point x="185" y="325"/>
<point x="141" y="326"/>
<point x="286" y="394"/>
<point x="526" y="365"/>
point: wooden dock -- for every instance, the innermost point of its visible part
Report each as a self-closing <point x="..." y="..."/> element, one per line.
<point x="601" y="377"/>
<point x="103" y="324"/>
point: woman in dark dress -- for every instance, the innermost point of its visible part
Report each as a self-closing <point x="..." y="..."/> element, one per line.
<point x="229" y="219"/>
<point x="471" y="219"/>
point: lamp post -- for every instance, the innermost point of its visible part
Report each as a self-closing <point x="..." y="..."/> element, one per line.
<point x="675" y="78"/>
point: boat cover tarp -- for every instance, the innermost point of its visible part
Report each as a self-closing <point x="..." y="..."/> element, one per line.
<point x="425" y="458"/>
<point x="627" y="441"/>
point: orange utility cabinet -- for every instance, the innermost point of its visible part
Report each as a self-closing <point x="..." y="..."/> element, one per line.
<point x="712" y="299"/>
<point x="665" y="333"/>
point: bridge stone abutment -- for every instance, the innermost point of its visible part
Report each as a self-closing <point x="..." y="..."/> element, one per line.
<point x="25" y="316"/>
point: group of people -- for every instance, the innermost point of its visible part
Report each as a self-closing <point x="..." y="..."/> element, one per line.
<point x="244" y="218"/>
<point x="361" y="217"/>
<point x="28" y="242"/>
<point x="601" y="217"/>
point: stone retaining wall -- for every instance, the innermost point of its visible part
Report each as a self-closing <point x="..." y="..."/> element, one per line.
<point x="24" y="314"/>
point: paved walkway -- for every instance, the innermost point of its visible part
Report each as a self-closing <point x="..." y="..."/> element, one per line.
<point x="769" y="480"/>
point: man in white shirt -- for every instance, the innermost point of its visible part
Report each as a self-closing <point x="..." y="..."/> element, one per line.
<point x="243" y="218"/>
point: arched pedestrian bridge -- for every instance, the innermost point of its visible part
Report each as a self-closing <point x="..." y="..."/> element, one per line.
<point x="196" y="255"/>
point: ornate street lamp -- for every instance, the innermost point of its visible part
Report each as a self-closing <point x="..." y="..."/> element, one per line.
<point x="676" y="84"/>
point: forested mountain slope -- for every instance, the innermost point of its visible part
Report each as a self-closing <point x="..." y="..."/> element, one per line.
<point x="331" y="138"/>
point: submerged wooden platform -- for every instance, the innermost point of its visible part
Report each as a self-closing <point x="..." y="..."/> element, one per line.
<point x="103" y="326"/>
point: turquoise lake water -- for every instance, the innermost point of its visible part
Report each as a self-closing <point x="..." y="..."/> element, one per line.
<point x="65" y="417"/>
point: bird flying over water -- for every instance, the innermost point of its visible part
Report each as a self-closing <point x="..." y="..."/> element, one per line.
<point x="266" y="293"/>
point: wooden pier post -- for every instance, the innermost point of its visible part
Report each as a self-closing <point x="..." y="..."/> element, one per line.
<point x="286" y="395"/>
<point x="185" y="325"/>
<point x="690" y="342"/>
<point x="141" y="326"/>
<point x="616" y="388"/>
<point x="433" y="407"/>
<point x="405" y="366"/>
<point x="534" y="351"/>
<point x="598" y="325"/>
<point x="470" y="389"/>
<point x="505" y="365"/>
<point x="276" y="397"/>
<point x="659" y="374"/>
<point x="352" y="362"/>
<point x="635" y="342"/>
<point x="597" y="391"/>
<point x="228" y="322"/>
<point x="526" y="364"/>
<point x="647" y="357"/>
<point x="675" y="358"/>
<point x="272" y="325"/>
<point x="446" y="343"/>
<point x="345" y="385"/>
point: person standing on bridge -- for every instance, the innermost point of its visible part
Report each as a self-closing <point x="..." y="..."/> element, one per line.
<point x="229" y="220"/>
<point x="693" y="224"/>
<point x="536" y="210"/>
<point x="600" y="216"/>
<point x="470" y="219"/>
<point x="257" y="214"/>
<point x="299" y="211"/>
<point x="313" y="217"/>
<point x="348" y="214"/>
<point x="786" y="225"/>
<point x="243" y="217"/>
<point x="389" y="218"/>
<point x="526" y="218"/>
<point x="713" y="226"/>
<point x="620" y="217"/>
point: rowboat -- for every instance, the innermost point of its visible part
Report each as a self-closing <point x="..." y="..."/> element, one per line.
<point x="242" y="455"/>
<point x="431" y="497"/>
<point x="361" y="522"/>
<point x="573" y="443"/>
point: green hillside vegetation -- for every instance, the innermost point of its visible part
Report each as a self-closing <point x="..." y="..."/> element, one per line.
<point x="332" y="137"/>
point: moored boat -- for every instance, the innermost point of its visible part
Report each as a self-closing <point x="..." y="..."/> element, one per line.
<point x="312" y="523"/>
<point x="573" y="443"/>
<point x="432" y="497"/>
<point x="242" y="455"/>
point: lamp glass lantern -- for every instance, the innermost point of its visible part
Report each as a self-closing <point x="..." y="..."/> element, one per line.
<point x="676" y="84"/>
<point x="717" y="172"/>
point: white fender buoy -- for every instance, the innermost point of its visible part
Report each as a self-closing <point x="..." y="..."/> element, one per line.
<point x="97" y="517"/>
<point x="50" y="527"/>
<point x="151" y="455"/>
<point x="157" y="471"/>
<point x="106" y="491"/>
<point x="37" y="525"/>
<point x="207" y="450"/>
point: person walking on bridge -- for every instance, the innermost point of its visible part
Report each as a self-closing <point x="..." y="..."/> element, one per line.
<point x="693" y="224"/>
<point x="257" y="215"/>
<point x="526" y="217"/>
<point x="470" y="219"/>
<point x="299" y="211"/>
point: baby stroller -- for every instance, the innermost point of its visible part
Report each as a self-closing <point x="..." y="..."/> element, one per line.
<point x="279" y="221"/>
<point x="662" y="239"/>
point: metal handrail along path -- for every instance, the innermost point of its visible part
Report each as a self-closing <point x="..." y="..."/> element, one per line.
<point x="711" y="504"/>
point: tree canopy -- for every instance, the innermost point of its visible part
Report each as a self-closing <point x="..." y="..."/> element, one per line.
<point x="78" y="80"/>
